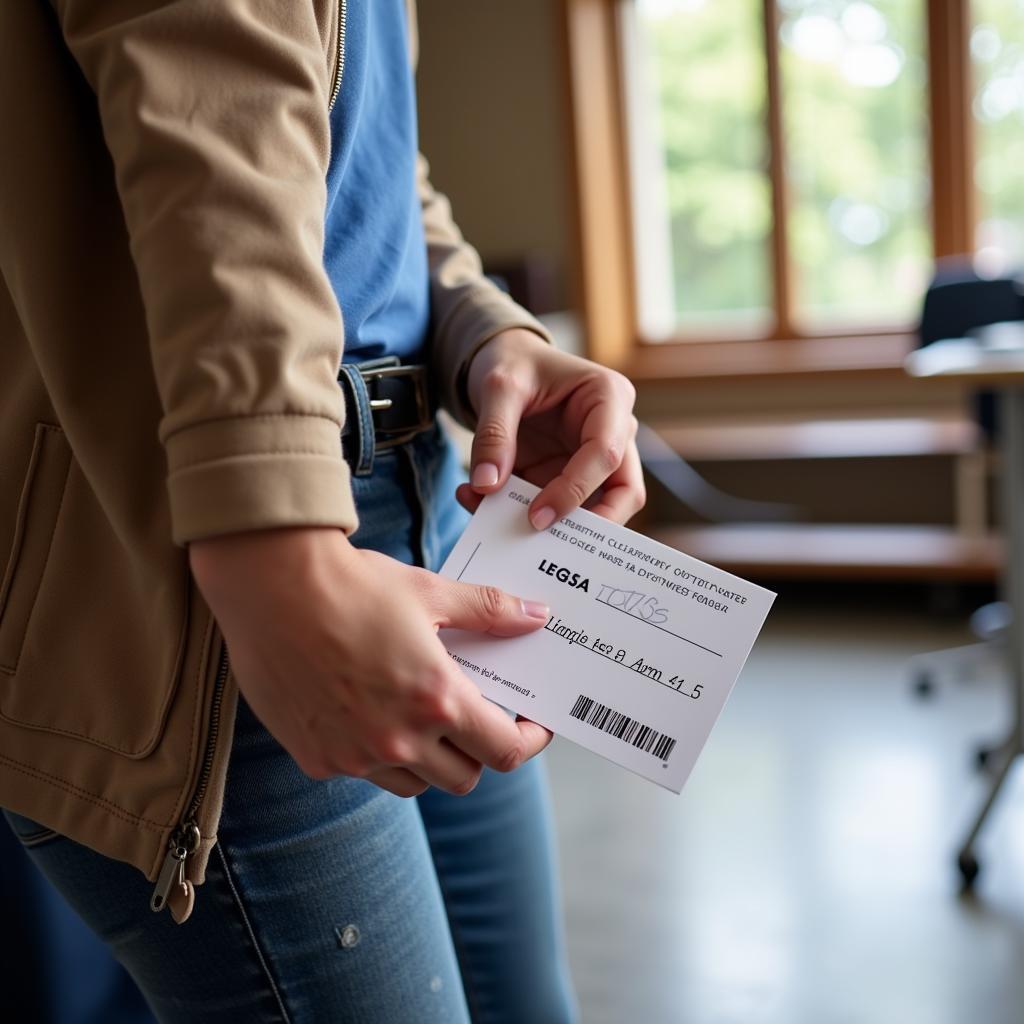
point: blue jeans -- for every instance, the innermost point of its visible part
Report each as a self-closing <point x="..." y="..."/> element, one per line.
<point x="54" y="970"/>
<point x="335" y="900"/>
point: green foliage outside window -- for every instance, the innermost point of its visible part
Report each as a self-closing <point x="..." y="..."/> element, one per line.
<point x="997" y="51"/>
<point x="706" y="69"/>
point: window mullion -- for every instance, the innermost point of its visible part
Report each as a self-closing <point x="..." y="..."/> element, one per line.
<point x="781" y="275"/>
<point x="952" y="140"/>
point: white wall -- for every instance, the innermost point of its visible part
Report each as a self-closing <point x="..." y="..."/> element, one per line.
<point x="493" y="123"/>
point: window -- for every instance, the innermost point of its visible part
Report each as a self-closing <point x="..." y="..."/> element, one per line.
<point x="997" y="57"/>
<point x="855" y="141"/>
<point x="702" y="205"/>
<point x="790" y="168"/>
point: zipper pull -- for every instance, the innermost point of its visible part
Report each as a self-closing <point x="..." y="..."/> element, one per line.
<point x="172" y="874"/>
<point x="181" y="901"/>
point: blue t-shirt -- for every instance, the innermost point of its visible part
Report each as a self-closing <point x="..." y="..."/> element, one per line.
<point x="374" y="252"/>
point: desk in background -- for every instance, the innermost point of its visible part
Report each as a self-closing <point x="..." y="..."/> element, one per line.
<point x="995" y="360"/>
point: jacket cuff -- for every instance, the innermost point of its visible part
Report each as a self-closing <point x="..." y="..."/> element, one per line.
<point x="256" y="473"/>
<point x="473" y="323"/>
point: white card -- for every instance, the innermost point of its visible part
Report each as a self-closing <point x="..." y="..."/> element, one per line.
<point x="643" y="645"/>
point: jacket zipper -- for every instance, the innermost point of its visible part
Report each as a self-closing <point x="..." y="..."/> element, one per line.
<point x="186" y="838"/>
<point x="339" y="58"/>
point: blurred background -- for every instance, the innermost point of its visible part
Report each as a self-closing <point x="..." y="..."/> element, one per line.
<point x="763" y="212"/>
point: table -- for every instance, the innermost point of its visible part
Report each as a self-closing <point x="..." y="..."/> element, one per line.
<point x="1000" y="368"/>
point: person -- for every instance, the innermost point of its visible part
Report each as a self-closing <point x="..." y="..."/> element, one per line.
<point x="232" y="303"/>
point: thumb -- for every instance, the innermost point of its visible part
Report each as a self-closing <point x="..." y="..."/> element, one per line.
<point x="494" y="441"/>
<point x="486" y="610"/>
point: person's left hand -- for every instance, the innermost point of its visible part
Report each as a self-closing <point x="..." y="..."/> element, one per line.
<point x="562" y="422"/>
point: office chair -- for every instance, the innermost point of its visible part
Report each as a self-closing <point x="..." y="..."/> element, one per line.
<point x="958" y="303"/>
<point x="688" y="487"/>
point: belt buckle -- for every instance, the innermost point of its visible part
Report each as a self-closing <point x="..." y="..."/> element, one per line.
<point x="423" y="411"/>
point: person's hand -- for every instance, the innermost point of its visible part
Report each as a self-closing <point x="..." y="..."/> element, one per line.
<point x="559" y="421"/>
<point x="336" y="651"/>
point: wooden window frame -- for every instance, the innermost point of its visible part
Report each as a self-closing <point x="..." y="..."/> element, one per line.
<point x="605" y="267"/>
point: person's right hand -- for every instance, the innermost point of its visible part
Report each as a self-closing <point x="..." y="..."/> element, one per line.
<point x="336" y="651"/>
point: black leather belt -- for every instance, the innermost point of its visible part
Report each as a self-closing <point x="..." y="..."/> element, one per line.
<point x="396" y="405"/>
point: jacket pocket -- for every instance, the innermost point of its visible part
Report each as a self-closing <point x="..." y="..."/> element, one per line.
<point x="91" y="629"/>
<point x="38" y="512"/>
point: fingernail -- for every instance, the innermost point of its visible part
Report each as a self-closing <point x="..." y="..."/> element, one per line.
<point x="536" y="609"/>
<point x="485" y="475"/>
<point x="543" y="517"/>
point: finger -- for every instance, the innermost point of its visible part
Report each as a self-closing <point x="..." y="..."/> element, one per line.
<point x="485" y="733"/>
<point x="467" y="497"/>
<point x="399" y="781"/>
<point x="605" y="435"/>
<point x="535" y="736"/>
<point x="494" y="440"/>
<point x="448" y="768"/>
<point x="624" y="492"/>
<point x="484" y="609"/>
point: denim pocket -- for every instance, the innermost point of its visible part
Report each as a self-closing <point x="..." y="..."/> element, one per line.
<point x="438" y="470"/>
<point x="28" y="832"/>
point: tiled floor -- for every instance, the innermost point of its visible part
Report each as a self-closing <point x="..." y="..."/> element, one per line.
<point x="805" y="875"/>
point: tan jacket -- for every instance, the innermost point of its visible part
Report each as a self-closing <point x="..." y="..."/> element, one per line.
<point x="169" y="346"/>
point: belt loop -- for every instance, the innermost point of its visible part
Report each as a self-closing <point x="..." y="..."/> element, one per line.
<point x="365" y="441"/>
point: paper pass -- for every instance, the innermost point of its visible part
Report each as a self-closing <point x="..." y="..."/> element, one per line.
<point x="643" y="645"/>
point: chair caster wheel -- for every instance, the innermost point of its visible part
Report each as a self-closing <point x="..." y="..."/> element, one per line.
<point x="968" y="866"/>
<point x="923" y="684"/>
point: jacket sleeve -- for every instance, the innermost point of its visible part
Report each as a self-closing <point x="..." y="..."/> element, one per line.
<point x="216" y="119"/>
<point x="467" y="309"/>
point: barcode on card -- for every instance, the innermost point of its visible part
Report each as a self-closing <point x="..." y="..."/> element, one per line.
<point x="629" y="730"/>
